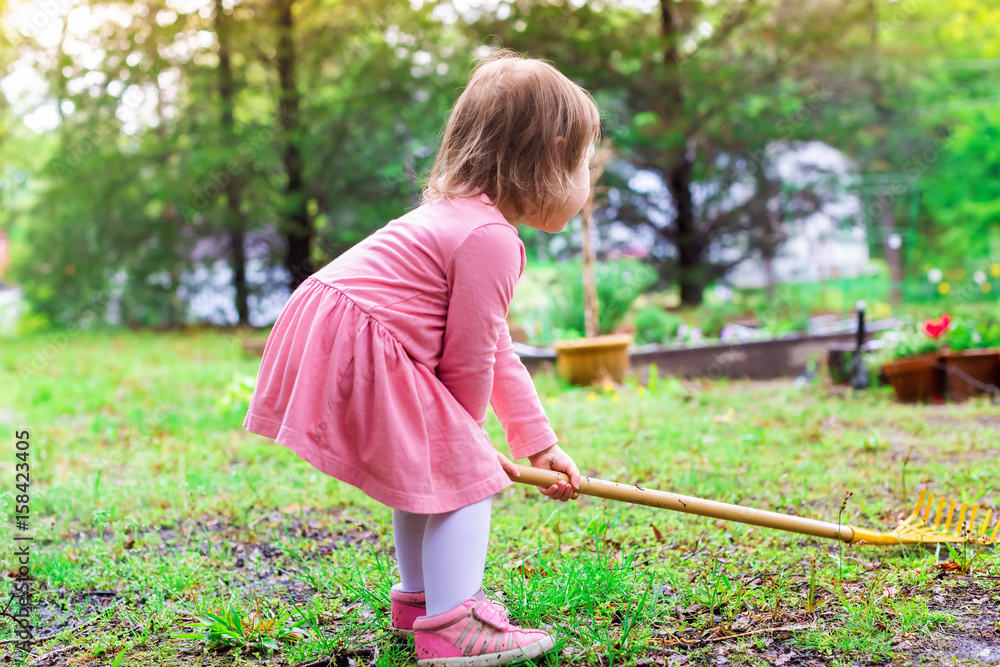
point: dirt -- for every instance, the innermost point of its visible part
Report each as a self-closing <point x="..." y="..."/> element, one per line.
<point x="976" y="634"/>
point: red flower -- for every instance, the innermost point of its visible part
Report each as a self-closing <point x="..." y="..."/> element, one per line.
<point x="934" y="328"/>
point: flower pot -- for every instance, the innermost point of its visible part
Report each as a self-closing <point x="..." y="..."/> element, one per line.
<point x="915" y="378"/>
<point x="982" y="366"/>
<point x="584" y="360"/>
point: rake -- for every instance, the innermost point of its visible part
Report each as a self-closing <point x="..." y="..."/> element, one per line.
<point x="923" y="526"/>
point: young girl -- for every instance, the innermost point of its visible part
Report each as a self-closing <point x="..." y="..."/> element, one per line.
<point x="380" y="367"/>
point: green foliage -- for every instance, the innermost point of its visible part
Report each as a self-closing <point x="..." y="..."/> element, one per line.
<point x="916" y="337"/>
<point x="963" y="334"/>
<point x="990" y="335"/>
<point x="974" y="328"/>
<point x="913" y="341"/>
<point x="711" y="318"/>
<point x="655" y="325"/>
<point x="783" y="315"/>
<point x="111" y="205"/>
<point x="619" y="284"/>
<point x="963" y="193"/>
<point x="120" y="197"/>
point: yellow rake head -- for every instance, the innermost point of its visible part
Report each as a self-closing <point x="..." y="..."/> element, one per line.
<point x="924" y="525"/>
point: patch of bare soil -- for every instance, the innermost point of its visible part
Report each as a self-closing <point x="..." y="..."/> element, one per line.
<point x="972" y="639"/>
<point x="985" y="421"/>
<point x="975" y="636"/>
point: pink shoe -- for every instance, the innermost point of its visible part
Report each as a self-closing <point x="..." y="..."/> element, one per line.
<point x="404" y="609"/>
<point x="476" y="633"/>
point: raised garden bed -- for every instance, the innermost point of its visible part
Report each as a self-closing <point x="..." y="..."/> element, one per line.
<point x="756" y="360"/>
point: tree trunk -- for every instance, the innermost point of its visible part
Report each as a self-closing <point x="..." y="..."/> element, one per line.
<point x="885" y="118"/>
<point x="234" y="219"/>
<point x="690" y="246"/>
<point x="591" y="305"/>
<point x="171" y="224"/>
<point x="591" y="322"/>
<point x="768" y="259"/>
<point x="894" y="258"/>
<point x="299" y="230"/>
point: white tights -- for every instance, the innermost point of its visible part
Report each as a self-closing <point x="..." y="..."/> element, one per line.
<point x="443" y="555"/>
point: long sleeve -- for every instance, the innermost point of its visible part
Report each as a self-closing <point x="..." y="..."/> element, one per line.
<point x="482" y="274"/>
<point x="516" y="403"/>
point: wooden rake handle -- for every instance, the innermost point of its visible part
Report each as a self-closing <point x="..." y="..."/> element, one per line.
<point x="687" y="504"/>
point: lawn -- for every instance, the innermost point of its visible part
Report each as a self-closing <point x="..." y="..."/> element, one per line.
<point x="151" y="507"/>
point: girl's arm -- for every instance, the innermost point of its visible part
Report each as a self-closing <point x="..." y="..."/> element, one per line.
<point x="481" y="275"/>
<point x="523" y="419"/>
<point x="516" y="403"/>
<point x="478" y="354"/>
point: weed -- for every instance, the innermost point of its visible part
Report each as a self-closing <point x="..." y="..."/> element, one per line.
<point x="258" y="630"/>
<point x="812" y="601"/>
<point x="840" y="523"/>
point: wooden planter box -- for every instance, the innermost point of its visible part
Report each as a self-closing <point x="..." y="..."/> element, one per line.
<point x="583" y="361"/>
<point x="916" y="379"/>
<point x="983" y="366"/>
<point x="757" y="360"/>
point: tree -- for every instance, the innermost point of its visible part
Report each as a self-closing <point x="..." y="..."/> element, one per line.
<point x="235" y="219"/>
<point x="197" y="137"/>
<point x="696" y="91"/>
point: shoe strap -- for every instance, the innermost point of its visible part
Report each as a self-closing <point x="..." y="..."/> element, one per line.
<point x="492" y="613"/>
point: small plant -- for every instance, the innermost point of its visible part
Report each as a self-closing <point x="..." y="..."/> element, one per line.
<point x="913" y="340"/>
<point x="655" y="325"/>
<point x="782" y="317"/>
<point x="963" y="334"/>
<point x="925" y="340"/>
<point x="990" y="333"/>
<point x="812" y="603"/>
<point x="257" y="631"/>
<point x="717" y="591"/>
<point x="619" y="284"/>
<point x="775" y="591"/>
<point x="712" y="318"/>
<point x="840" y="522"/>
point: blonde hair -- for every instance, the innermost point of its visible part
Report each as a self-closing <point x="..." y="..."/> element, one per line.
<point x="516" y="133"/>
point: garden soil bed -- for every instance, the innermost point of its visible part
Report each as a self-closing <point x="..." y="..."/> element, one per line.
<point x="755" y="360"/>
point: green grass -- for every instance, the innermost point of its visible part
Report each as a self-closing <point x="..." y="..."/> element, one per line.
<point x="155" y="515"/>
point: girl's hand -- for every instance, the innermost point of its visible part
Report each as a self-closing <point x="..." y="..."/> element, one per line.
<point x="508" y="465"/>
<point x="554" y="458"/>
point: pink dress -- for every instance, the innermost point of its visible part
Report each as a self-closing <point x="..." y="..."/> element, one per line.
<point x="379" y="369"/>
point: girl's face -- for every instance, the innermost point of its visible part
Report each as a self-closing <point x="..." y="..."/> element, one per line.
<point x="557" y="217"/>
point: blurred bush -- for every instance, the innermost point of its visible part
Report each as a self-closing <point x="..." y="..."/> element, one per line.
<point x="711" y="318"/>
<point x="655" y="325"/>
<point x="619" y="284"/>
